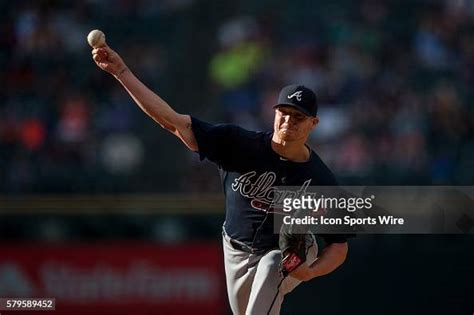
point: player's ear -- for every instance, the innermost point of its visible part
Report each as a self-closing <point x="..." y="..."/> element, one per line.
<point x="314" y="122"/>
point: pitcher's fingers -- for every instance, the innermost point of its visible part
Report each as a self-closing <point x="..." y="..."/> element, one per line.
<point x="103" y="65"/>
<point x="98" y="58"/>
<point x="102" y="54"/>
<point x="107" y="48"/>
<point x="97" y="50"/>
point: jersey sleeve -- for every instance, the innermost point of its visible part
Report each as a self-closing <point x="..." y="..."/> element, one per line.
<point x="218" y="143"/>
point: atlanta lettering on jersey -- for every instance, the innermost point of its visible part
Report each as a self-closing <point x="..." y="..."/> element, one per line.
<point x="261" y="190"/>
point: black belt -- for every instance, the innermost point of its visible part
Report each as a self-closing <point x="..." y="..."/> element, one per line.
<point x="245" y="248"/>
<point x="241" y="247"/>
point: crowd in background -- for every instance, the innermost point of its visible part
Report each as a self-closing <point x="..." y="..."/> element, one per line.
<point x="394" y="84"/>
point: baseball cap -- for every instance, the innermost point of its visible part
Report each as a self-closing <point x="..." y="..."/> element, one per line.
<point x="299" y="97"/>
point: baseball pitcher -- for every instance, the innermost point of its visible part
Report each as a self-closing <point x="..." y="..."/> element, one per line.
<point x="260" y="265"/>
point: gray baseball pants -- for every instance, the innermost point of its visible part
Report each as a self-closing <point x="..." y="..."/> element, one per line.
<point x="254" y="283"/>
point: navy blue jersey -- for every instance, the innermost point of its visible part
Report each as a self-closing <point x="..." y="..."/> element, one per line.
<point x="249" y="169"/>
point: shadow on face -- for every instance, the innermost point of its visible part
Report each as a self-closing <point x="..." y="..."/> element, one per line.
<point x="292" y="124"/>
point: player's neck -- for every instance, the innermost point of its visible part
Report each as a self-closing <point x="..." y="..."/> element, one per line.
<point x="295" y="151"/>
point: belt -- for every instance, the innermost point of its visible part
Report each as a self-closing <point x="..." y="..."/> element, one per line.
<point x="242" y="247"/>
<point x="239" y="245"/>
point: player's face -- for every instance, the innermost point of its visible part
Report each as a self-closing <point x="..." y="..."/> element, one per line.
<point x="293" y="125"/>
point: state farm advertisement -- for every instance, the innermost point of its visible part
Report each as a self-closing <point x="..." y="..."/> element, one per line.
<point x="118" y="278"/>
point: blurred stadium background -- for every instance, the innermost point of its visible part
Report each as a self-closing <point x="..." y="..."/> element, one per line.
<point x="130" y="220"/>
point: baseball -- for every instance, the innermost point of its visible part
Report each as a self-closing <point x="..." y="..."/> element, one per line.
<point x="96" y="38"/>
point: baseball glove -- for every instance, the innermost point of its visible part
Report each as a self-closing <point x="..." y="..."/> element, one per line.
<point x="292" y="243"/>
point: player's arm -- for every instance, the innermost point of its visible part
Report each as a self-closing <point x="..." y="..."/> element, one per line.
<point x="331" y="257"/>
<point x="153" y="105"/>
